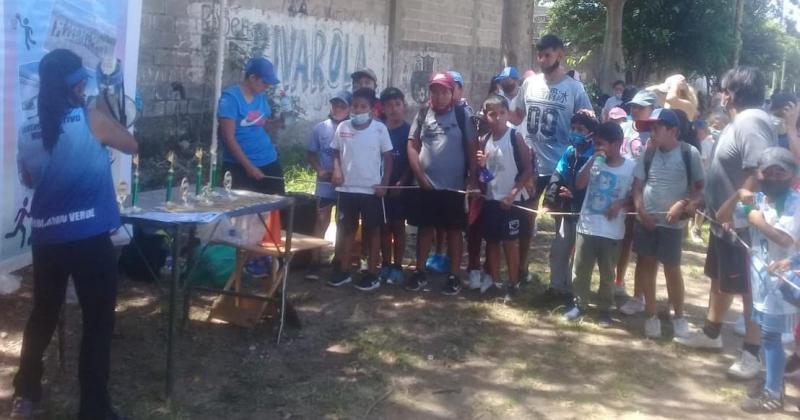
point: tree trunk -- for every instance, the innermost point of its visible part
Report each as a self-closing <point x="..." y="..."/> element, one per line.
<point x="612" y="64"/>
<point x="516" y="33"/>
<point x="737" y="31"/>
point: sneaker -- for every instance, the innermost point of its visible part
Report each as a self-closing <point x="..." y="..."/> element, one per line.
<point x="699" y="340"/>
<point x="474" y="279"/>
<point x="619" y="290"/>
<point x="396" y="277"/>
<point x="368" y="282"/>
<point x="453" y="286"/>
<point x="763" y="403"/>
<point x="21" y="408"/>
<point x="755" y="390"/>
<point x="417" y="282"/>
<point x="572" y="313"/>
<point x="738" y="327"/>
<point x="525" y="277"/>
<point x="605" y="320"/>
<point x="632" y="306"/>
<point x="339" y="279"/>
<point x="487" y="282"/>
<point x="385" y="272"/>
<point x="792" y="365"/>
<point x="511" y="293"/>
<point x="747" y="367"/>
<point x="652" y="327"/>
<point x="680" y="327"/>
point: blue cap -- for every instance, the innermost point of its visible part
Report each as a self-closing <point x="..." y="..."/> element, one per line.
<point x="644" y="97"/>
<point x="662" y="115"/>
<point x="344" y="96"/>
<point x="80" y="74"/>
<point x="262" y="68"/>
<point x="508" y="72"/>
<point x="457" y="77"/>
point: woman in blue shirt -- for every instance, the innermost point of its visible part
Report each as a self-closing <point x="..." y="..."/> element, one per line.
<point x="243" y="113"/>
<point x="74" y="209"/>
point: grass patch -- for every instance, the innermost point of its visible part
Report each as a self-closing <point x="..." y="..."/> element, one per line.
<point x="297" y="173"/>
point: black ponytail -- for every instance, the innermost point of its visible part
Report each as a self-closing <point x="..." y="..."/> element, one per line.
<point x="56" y="96"/>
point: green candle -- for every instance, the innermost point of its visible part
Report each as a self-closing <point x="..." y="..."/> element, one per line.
<point x="212" y="176"/>
<point x="199" y="171"/>
<point x="135" y="181"/>
<point x="170" y="175"/>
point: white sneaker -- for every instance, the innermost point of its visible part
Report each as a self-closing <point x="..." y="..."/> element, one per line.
<point x="632" y="306"/>
<point x="680" y="327"/>
<point x="699" y="340"/>
<point x="486" y="282"/>
<point x="738" y="327"/>
<point x="747" y="367"/>
<point x="474" y="279"/>
<point x="652" y="327"/>
<point x="573" y="313"/>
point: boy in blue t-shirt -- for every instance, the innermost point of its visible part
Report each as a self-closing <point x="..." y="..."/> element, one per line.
<point x="247" y="148"/>
<point x="320" y="157"/>
<point x="393" y="232"/>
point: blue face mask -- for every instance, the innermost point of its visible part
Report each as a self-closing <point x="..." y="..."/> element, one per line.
<point x="360" y="119"/>
<point x="577" y="139"/>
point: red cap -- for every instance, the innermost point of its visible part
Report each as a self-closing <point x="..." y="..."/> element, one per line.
<point x="444" y="79"/>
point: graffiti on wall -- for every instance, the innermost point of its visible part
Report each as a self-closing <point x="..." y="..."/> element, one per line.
<point x="313" y="57"/>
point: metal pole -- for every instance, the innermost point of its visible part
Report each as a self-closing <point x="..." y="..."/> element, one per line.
<point x="223" y="6"/>
<point x="287" y="260"/>
<point x="173" y="286"/>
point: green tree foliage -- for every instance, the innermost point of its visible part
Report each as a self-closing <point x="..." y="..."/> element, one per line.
<point x="660" y="37"/>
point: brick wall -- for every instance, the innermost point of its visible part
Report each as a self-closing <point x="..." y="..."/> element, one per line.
<point x="178" y="46"/>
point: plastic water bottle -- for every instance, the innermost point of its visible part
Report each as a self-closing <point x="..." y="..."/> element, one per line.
<point x="599" y="161"/>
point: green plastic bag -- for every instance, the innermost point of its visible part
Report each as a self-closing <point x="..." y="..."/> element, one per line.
<point x="214" y="266"/>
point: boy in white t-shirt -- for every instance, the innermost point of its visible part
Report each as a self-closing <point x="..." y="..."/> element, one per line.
<point x="507" y="168"/>
<point x="608" y="178"/>
<point x="361" y="169"/>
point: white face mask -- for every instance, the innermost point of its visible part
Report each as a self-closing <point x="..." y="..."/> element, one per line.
<point x="360" y="119"/>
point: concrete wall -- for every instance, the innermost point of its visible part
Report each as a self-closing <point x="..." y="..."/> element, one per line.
<point x="314" y="44"/>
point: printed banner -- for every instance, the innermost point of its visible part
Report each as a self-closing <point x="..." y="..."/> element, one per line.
<point x="100" y="32"/>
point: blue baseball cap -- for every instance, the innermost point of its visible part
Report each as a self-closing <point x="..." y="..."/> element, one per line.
<point x="344" y="96"/>
<point x="80" y="74"/>
<point x="262" y="68"/>
<point x="662" y="115"/>
<point x="508" y="72"/>
<point x="457" y="77"/>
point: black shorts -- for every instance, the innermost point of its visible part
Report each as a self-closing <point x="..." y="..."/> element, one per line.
<point x="395" y="207"/>
<point x="729" y="263"/>
<point x="437" y="208"/>
<point x="272" y="185"/>
<point x="499" y="224"/>
<point x="664" y="244"/>
<point x="323" y="202"/>
<point x="353" y="207"/>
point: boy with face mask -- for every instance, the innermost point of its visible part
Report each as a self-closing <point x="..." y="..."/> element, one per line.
<point x="563" y="195"/>
<point x="362" y="165"/>
<point x="773" y="218"/>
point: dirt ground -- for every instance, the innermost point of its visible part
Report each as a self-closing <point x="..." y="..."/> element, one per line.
<point x="394" y="354"/>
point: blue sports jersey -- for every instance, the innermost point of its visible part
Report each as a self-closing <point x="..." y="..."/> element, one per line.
<point x="249" y="119"/>
<point x="75" y="198"/>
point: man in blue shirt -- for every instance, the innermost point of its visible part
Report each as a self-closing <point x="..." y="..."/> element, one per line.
<point x="243" y="112"/>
